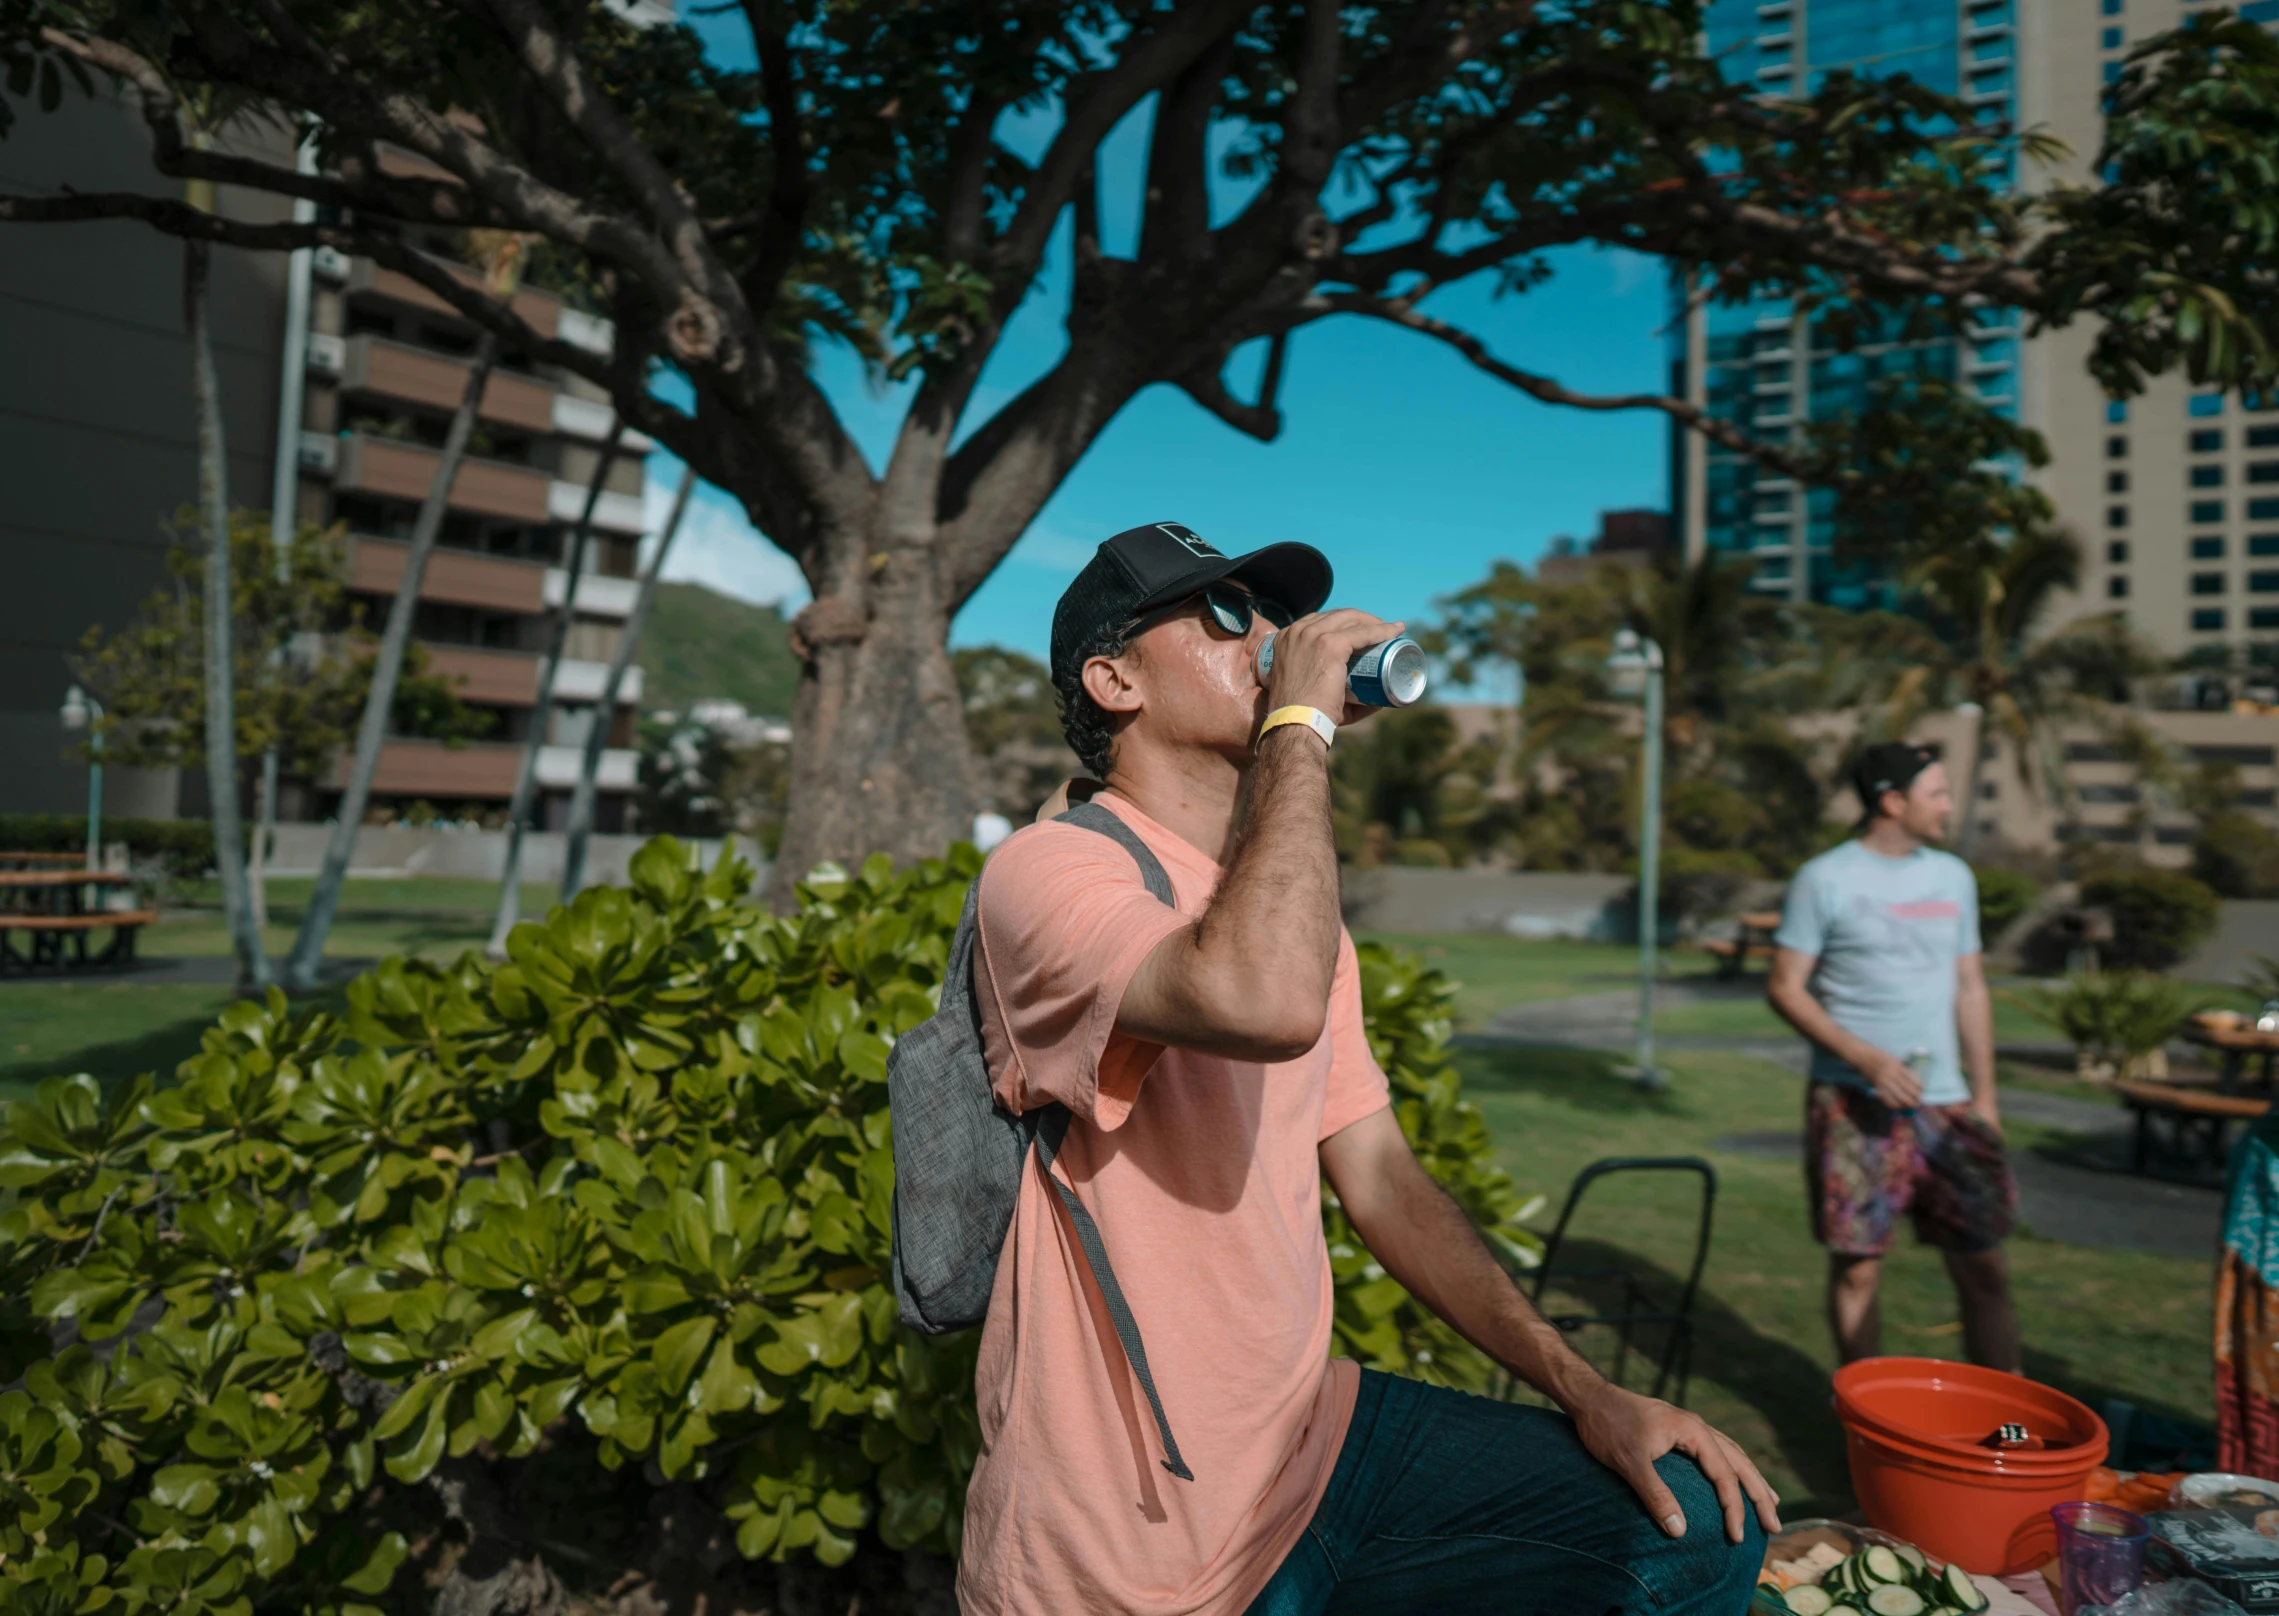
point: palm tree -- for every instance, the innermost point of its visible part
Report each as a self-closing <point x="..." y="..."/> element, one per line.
<point x="597" y="733"/>
<point x="501" y="254"/>
<point x="525" y="797"/>
<point x="1978" y="639"/>
<point x="222" y="775"/>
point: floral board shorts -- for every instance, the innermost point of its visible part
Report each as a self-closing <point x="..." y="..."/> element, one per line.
<point x="1865" y="1164"/>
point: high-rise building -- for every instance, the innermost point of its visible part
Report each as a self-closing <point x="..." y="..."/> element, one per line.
<point x="97" y="454"/>
<point x="2175" y="494"/>
<point x="1756" y="364"/>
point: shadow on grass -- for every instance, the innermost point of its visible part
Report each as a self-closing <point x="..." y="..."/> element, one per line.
<point x="1785" y="1386"/>
<point x="154" y="1049"/>
<point x="1587" y="1079"/>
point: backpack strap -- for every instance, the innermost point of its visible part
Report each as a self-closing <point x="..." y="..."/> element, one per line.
<point x="1094" y="817"/>
<point x="1052" y="1126"/>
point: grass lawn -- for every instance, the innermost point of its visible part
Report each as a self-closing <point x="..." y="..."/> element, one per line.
<point x="377" y="916"/>
<point x="115" y="1028"/>
<point x="112" y="1029"/>
<point x="2097" y="1323"/>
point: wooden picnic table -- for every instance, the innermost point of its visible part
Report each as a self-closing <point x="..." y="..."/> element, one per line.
<point x="39" y="861"/>
<point x="2195" y="1119"/>
<point x="1754" y="933"/>
<point x="65" y="878"/>
<point x="2235" y="1040"/>
<point x="54" y="912"/>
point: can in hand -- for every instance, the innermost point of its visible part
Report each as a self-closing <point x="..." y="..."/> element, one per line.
<point x="1389" y="674"/>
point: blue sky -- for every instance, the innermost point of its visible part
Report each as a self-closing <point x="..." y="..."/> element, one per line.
<point x="1411" y="470"/>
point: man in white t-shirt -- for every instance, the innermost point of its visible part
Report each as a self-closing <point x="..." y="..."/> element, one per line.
<point x="1877" y="962"/>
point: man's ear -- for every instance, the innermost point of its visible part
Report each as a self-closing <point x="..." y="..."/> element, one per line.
<point x="1113" y="683"/>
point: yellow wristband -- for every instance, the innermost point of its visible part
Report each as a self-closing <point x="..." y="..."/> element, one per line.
<point x="1312" y="717"/>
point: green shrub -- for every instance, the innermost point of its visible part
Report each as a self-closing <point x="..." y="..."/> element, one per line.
<point x="2117" y="1021"/>
<point x="2159" y="916"/>
<point x="2003" y="895"/>
<point x="579" y="1260"/>
<point x="2237" y="856"/>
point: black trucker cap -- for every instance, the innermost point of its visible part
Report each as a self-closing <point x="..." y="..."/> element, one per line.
<point x="1888" y="766"/>
<point x="1161" y="564"/>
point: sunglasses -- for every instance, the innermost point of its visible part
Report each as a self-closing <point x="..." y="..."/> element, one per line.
<point x="1231" y="608"/>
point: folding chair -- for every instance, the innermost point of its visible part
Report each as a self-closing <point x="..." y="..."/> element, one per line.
<point x="1633" y="1310"/>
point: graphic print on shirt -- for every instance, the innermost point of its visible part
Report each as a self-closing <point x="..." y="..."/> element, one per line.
<point x="1919" y="934"/>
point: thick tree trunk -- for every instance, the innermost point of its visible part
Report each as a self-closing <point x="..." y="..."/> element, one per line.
<point x="220" y="670"/>
<point x="879" y="758"/>
<point x="525" y="799"/>
<point x="316" y="922"/>
<point x="597" y="734"/>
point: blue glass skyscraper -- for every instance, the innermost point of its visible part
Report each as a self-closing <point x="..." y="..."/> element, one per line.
<point x="1755" y="364"/>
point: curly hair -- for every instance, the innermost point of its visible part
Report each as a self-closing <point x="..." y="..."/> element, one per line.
<point x="1090" y="728"/>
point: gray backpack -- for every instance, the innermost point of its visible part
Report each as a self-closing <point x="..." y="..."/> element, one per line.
<point x="959" y="1156"/>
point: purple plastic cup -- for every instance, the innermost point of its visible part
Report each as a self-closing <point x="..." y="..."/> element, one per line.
<point x="2100" y="1553"/>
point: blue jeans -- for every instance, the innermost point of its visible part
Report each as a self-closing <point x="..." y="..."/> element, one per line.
<point x="1449" y="1504"/>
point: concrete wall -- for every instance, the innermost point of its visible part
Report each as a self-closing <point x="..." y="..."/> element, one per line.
<point x="1521" y="904"/>
<point x="470" y="855"/>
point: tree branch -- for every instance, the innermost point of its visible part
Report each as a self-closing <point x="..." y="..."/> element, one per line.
<point x="791" y="186"/>
<point x="1144" y="66"/>
<point x="1778" y="457"/>
<point x="1206" y="385"/>
<point x="710" y="322"/>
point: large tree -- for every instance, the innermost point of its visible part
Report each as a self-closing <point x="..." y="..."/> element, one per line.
<point x="1305" y="159"/>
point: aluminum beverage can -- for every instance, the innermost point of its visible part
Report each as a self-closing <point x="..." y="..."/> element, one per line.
<point x="1391" y="673"/>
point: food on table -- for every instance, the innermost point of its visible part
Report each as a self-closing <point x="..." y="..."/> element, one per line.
<point x="1879" y="1580"/>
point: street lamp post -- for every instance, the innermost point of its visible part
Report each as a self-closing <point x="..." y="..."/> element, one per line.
<point x="1634" y="667"/>
<point x="83" y="712"/>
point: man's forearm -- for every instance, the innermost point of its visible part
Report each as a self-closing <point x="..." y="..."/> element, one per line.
<point x="1974" y="1030"/>
<point x="1251" y="978"/>
<point x="1279" y="896"/>
<point x="1427" y="1243"/>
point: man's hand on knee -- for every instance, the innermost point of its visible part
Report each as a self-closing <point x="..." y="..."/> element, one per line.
<point x="1627" y="1433"/>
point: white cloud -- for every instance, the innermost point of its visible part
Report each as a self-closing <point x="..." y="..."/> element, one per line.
<point x="1043" y="548"/>
<point x="719" y="548"/>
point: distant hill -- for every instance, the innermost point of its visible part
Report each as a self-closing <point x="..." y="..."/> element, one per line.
<point x="702" y="643"/>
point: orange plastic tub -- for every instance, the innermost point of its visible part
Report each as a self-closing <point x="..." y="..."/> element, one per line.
<point x="1915" y="1431"/>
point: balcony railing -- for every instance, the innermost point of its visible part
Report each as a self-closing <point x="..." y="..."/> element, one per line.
<point x="437" y="381"/>
<point x="453" y="577"/>
<point x="405" y="471"/>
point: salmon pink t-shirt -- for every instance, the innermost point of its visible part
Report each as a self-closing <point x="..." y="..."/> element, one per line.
<point x="1202" y="1174"/>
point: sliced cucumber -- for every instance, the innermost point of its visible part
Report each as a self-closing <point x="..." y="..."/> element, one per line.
<point x="1806" y="1600"/>
<point x="1882" y="1566"/>
<point x="1842" y="1610"/>
<point x="1895" y="1599"/>
<point x="1914" y="1557"/>
<point x="1963" y="1592"/>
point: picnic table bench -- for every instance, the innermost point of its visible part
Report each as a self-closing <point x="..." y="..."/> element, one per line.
<point x="1754" y="934"/>
<point x="2195" y="1118"/>
<point x="50" y="911"/>
<point x="2235" y="1040"/>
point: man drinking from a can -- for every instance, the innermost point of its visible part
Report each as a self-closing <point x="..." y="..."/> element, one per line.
<point x="1189" y="1444"/>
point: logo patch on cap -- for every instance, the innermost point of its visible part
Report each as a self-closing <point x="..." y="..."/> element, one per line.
<point x="1186" y="538"/>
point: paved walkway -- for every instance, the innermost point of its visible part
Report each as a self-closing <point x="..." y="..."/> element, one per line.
<point x="2076" y="1189"/>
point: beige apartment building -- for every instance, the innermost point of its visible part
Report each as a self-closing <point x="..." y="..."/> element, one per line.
<point x="387" y="364"/>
